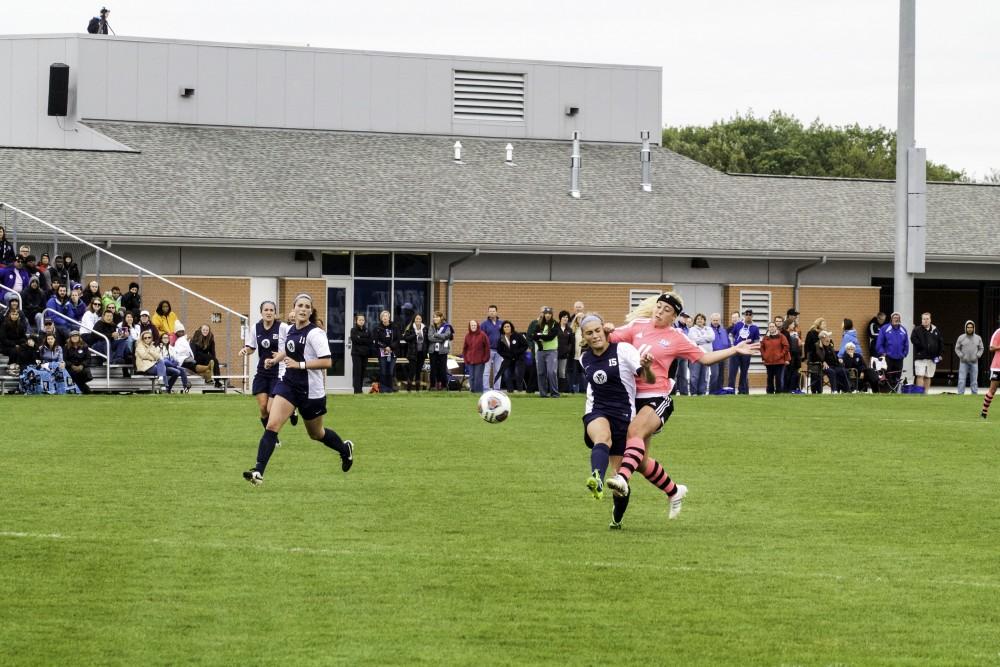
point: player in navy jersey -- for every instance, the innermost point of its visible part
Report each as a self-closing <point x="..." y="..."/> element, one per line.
<point x="305" y="350"/>
<point x="264" y="338"/>
<point x="610" y="369"/>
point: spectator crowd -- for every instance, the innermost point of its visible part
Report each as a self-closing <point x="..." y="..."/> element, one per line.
<point x="55" y="330"/>
<point x="545" y="357"/>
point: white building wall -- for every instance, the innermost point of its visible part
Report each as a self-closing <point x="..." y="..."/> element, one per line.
<point x="138" y="79"/>
<point x="24" y="80"/>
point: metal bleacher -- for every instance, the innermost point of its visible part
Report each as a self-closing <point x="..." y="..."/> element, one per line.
<point x="113" y="377"/>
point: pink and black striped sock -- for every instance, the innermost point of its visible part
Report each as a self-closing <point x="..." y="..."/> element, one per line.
<point x="635" y="450"/>
<point x="659" y="478"/>
<point x="987" y="401"/>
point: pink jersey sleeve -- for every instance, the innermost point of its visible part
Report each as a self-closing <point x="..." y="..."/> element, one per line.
<point x="995" y="342"/>
<point x="683" y="347"/>
<point x="623" y="333"/>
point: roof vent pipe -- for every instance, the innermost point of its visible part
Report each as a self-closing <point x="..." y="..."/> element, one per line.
<point x="574" y="167"/>
<point x="645" y="158"/>
<point x="458" y="152"/>
<point x="510" y="155"/>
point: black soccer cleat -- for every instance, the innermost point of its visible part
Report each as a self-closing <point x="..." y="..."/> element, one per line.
<point x="254" y="477"/>
<point x="347" y="460"/>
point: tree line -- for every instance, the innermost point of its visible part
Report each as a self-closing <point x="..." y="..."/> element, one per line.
<point x="781" y="145"/>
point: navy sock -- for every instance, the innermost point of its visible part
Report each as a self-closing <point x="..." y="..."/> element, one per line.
<point x="263" y="421"/>
<point x="333" y="441"/>
<point x="265" y="449"/>
<point x="599" y="458"/>
<point x="621" y="504"/>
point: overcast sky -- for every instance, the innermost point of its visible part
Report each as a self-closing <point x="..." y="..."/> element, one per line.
<point x="834" y="60"/>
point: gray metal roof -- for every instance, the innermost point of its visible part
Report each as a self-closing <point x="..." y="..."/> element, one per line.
<point x="327" y="189"/>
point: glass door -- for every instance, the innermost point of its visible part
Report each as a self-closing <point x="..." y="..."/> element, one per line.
<point x="339" y="317"/>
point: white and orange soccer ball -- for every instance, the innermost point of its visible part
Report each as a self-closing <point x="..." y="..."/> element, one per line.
<point x="494" y="406"/>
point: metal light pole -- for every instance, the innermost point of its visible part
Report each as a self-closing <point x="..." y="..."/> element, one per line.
<point x="909" y="195"/>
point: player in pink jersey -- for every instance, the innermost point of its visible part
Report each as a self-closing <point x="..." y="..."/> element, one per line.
<point x="994" y="373"/>
<point x="656" y="337"/>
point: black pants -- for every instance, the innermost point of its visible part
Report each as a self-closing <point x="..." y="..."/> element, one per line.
<point x="866" y="378"/>
<point x="359" y="365"/>
<point x="791" y="381"/>
<point x="775" y="377"/>
<point x="439" y="371"/>
<point x="894" y="370"/>
<point x="838" y="379"/>
<point x="512" y="373"/>
<point x="816" y="377"/>
<point x="414" y="366"/>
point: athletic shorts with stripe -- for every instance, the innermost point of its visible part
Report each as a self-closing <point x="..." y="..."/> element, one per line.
<point x="662" y="406"/>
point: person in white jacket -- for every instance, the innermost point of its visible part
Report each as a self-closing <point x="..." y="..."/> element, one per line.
<point x="702" y="336"/>
<point x="181" y="351"/>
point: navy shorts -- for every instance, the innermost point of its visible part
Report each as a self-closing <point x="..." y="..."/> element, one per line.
<point x="309" y="408"/>
<point x="264" y="384"/>
<point x="994" y="376"/>
<point x="619" y="431"/>
<point x="662" y="405"/>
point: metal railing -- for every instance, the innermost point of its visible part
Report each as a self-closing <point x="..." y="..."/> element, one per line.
<point x="243" y="319"/>
<point x="107" y="357"/>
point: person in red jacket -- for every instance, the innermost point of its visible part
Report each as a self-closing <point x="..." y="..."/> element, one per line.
<point x="475" y="354"/>
<point x="775" y="354"/>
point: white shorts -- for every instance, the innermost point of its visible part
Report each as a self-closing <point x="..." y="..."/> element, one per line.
<point x="924" y="368"/>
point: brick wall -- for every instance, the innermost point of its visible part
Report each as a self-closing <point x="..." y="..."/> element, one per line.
<point x="520" y="302"/>
<point x="831" y="303"/>
<point x="234" y="293"/>
<point x="288" y="288"/>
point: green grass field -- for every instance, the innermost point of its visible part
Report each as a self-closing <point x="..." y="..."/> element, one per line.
<point x="849" y="530"/>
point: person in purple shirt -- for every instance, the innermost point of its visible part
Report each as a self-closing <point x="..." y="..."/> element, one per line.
<point x="14" y="278"/>
<point x="720" y="342"/>
<point x="744" y="331"/>
<point x="893" y="343"/>
<point x="491" y="327"/>
<point x="60" y="303"/>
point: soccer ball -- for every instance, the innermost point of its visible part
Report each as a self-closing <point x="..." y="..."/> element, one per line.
<point x="494" y="406"/>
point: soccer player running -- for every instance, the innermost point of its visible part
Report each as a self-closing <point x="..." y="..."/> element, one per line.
<point x="658" y="337"/>
<point x="610" y="369"/>
<point x="994" y="373"/>
<point x="306" y="352"/>
<point x="265" y="337"/>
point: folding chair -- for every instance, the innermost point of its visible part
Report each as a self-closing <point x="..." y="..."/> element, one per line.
<point x="853" y="380"/>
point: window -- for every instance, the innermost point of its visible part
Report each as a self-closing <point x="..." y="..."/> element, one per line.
<point x="375" y="265"/>
<point x="412" y="293"/>
<point x="493" y="96"/>
<point x="412" y="266"/>
<point x="403" y="286"/>
<point x="336" y="263"/>
<point x="371" y="297"/>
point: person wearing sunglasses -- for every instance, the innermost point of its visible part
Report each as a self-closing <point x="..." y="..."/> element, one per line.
<point x="149" y="361"/>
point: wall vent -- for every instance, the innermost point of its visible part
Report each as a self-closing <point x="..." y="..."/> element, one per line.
<point x="637" y="296"/>
<point x="491" y="96"/>
<point x="760" y="303"/>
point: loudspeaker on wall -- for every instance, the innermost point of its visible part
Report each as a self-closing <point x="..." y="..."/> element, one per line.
<point x="58" y="89"/>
